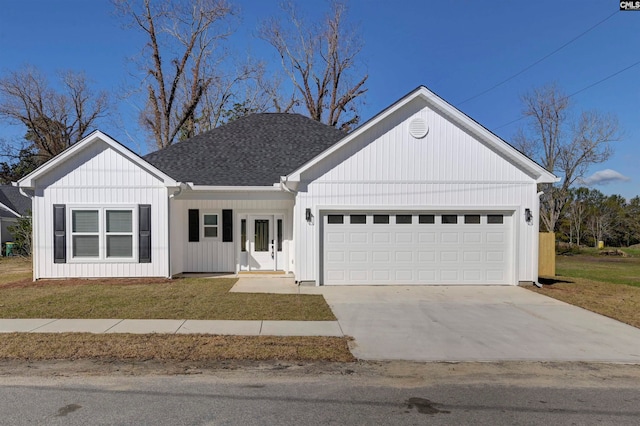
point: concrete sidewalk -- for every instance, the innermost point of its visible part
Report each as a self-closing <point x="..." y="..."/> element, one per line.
<point x="163" y="326"/>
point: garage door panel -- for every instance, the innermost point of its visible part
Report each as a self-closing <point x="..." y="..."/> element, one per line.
<point x="404" y="275"/>
<point x="449" y="275"/>
<point x="358" y="237"/>
<point x="472" y="237"/>
<point x="449" y="237"/>
<point x="495" y="237"/>
<point x="472" y="256"/>
<point x="335" y="256"/>
<point x="335" y="237"/>
<point x="404" y="256"/>
<point x="426" y="256"/>
<point x="381" y="237"/>
<point x="404" y="237"/>
<point x="426" y="237"/>
<point x="428" y="249"/>
<point x="495" y="256"/>
<point x="380" y="275"/>
<point x="448" y="256"/>
<point x="359" y="256"/>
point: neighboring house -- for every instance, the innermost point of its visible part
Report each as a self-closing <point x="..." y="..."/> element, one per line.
<point x="419" y="194"/>
<point x="13" y="205"/>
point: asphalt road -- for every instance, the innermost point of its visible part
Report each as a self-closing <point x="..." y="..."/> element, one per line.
<point x="351" y="398"/>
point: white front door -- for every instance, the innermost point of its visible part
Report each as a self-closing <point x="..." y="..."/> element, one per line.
<point x="262" y="256"/>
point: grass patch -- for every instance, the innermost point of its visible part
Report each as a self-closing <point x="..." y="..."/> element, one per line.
<point x="615" y="301"/>
<point x="14" y="269"/>
<point x="186" y="298"/>
<point x="616" y="270"/>
<point x="605" y="285"/>
<point x="127" y="347"/>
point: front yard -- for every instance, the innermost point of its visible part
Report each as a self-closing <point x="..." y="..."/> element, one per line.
<point x="607" y="285"/>
<point x="187" y="298"/>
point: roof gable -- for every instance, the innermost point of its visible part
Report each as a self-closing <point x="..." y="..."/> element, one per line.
<point x="446" y="110"/>
<point x="255" y="150"/>
<point x="95" y="137"/>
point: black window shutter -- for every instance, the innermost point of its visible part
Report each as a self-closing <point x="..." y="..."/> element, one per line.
<point x="144" y="231"/>
<point x="59" y="234"/>
<point x="227" y="226"/>
<point x="194" y="225"/>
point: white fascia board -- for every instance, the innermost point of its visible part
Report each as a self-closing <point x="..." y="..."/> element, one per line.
<point x="234" y="188"/>
<point x="540" y="174"/>
<point x="28" y="181"/>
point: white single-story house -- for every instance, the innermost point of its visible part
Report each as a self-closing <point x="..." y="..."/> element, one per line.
<point x="13" y="206"/>
<point x="419" y="194"/>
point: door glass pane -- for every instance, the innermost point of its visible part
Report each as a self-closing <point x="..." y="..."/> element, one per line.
<point x="335" y="219"/>
<point x="85" y="245"/>
<point x="243" y="235"/>
<point x="358" y="219"/>
<point x="449" y="218"/>
<point x="403" y="218"/>
<point x="494" y="218"/>
<point x="426" y="218"/>
<point x="119" y="221"/>
<point x="85" y="221"/>
<point x="471" y="218"/>
<point x="261" y="237"/>
<point x="380" y="218"/>
<point x="279" y="234"/>
<point x="119" y="246"/>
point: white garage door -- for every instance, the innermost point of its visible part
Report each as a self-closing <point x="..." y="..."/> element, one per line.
<point x="417" y="248"/>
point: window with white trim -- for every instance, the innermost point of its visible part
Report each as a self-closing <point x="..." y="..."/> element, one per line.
<point x="210" y="225"/>
<point x="102" y="233"/>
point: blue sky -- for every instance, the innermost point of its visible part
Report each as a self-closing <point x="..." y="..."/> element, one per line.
<point x="456" y="48"/>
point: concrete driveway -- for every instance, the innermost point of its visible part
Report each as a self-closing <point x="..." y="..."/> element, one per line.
<point x="474" y="323"/>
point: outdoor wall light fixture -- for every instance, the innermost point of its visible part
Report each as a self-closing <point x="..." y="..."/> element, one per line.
<point x="307" y="215"/>
<point x="528" y="216"/>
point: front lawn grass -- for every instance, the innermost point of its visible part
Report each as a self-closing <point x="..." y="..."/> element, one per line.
<point x="617" y="270"/>
<point x="171" y="347"/>
<point x="185" y="298"/>
<point x="605" y="285"/>
<point x="14" y="269"/>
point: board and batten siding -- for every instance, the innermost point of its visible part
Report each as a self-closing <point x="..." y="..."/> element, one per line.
<point x="385" y="168"/>
<point x="213" y="255"/>
<point x="99" y="176"/>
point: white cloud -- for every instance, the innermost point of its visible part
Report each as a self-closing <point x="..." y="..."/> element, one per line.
<point x="605" y="177"/>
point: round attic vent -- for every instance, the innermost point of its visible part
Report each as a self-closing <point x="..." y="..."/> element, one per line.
<point x="418" y="128"/>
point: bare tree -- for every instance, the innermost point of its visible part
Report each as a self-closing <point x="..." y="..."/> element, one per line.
<point x="53" y="120"/>
<point x="562" y="144"/>
<point x="320" y="61"/>
<point x="187" y="90"/>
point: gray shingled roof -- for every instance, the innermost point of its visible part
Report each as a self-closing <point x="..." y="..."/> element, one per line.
<point x="251" y="151"/>
<point x="11" y="197"/>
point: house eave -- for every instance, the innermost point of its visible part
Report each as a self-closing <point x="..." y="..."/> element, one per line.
<point x="222" y="188"/>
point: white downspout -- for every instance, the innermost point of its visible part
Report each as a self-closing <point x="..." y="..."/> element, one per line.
<point x="536" y="238"/>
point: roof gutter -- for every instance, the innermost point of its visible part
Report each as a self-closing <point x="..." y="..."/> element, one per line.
<point x="275" y="188"/>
